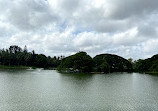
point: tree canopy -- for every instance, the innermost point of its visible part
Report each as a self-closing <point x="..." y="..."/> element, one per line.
<point x="16" y="56"/>
<point x="79" y="62"/>
<point x="111" y="63"/>
<point x="101" y="63"/>
<point x="147" y="65"/>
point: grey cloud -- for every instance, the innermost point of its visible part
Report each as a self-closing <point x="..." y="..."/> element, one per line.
<point x="30" y="14"/>
<point x="70" y="5"/>
<point x="148" y="27"/>
<point x="127" y="8"/>
<point x="147" y="31"/>
<point x="121" y="15"/>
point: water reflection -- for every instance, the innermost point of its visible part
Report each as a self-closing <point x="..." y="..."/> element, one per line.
<point x="76" y="85"/>
<point x="79" y="78"/>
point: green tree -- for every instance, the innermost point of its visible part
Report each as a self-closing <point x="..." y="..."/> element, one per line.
<point x="104" y="67"/>
<point x="130" y="60"/>
<point x="28" y="58"/>
<point x="80" y="62"/>
<point x="112" y="63"/>
<point x="41" y="61"/>
<point x="14" y="49"/>
<point x="14" y="55"/>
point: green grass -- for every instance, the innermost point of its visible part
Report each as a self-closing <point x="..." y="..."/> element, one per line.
<point x="154" y="73"/>
<point x="13" y="67"/>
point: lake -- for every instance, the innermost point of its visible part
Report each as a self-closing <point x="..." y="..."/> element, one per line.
<point x="48" y="90"/>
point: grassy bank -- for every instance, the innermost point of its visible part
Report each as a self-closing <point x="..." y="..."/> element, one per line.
<point x="154" y="73"/>
<point x="13" y="67"/>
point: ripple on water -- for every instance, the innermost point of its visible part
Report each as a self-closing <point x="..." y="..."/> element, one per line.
<point x="48" y="90"/>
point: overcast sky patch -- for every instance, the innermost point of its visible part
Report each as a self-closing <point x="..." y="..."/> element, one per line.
<point x="62" y="27"/>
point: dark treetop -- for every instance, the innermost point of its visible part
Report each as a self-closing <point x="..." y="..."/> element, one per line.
<point x="106" y="63"/>
<point x="16" y="56"/>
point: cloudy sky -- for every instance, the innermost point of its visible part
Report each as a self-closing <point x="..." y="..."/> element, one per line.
<point x="128" y="28"/>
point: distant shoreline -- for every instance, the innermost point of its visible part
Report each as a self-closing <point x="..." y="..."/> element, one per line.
<point x="153" y="73"/>
<point x="29" y="67"/>
<point x="23" y="67"/>
<point x="14" y="67"/>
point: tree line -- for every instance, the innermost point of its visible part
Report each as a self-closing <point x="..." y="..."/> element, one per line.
<point x="16" y="56"/>
<point x="146" y="65"/>
<point x="79" y="62"/>
<point x="107" y="63"/>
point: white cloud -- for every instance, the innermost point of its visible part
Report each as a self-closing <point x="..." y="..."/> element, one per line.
<point x="27" y="15"/>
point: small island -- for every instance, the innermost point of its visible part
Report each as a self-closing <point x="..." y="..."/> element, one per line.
<point x="103" y="63"/>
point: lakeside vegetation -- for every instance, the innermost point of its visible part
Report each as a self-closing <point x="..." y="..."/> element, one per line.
<point x="149" y="65"/>
<point x="13" y="67"/>
<point x="107" y="63"/>
<point x="79" y="62"/>
<point x="17" y="58"/>
<point x="103" y="63"/>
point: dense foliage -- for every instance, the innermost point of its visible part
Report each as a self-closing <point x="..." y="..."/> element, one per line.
<point x="111" y="63"/>
<point x="79" y="62"/>
<point x="106" y="63"/>
<point x="16" y="56"/>
<point x="147" y="65"/>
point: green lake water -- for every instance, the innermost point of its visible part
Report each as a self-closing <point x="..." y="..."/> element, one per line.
<point x="48" y="90"/>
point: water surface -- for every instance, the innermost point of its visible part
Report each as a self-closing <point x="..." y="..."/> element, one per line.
<point x="48" y="90"/>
